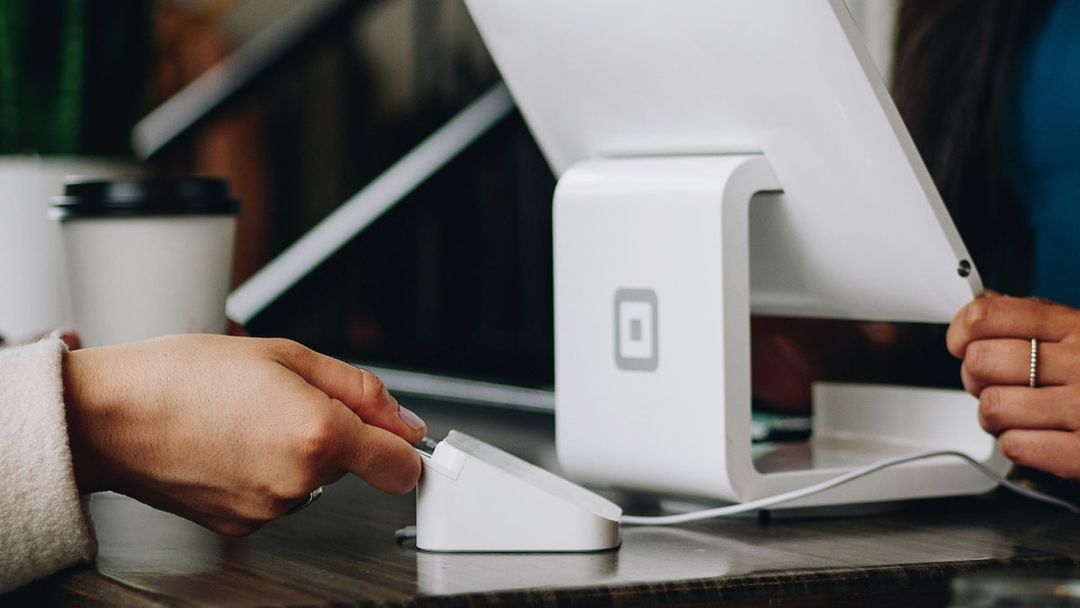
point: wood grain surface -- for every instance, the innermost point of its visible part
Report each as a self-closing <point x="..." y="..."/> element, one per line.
<point x="341" y="551"/>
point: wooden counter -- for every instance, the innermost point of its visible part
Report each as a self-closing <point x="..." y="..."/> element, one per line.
<point x="341" y="551"/>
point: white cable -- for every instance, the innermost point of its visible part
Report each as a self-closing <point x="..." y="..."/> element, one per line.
<point x="761" y="503"/>
<point x="409" y="532"/>
<point x="404" y="534"/>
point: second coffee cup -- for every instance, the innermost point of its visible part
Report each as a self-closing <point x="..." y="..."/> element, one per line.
<point x="147" y="257"/>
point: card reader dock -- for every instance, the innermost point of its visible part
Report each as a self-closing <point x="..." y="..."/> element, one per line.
<point x="473" y="496"/>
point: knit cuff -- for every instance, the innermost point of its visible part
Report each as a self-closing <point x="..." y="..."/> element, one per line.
<point x="44" y="524"/>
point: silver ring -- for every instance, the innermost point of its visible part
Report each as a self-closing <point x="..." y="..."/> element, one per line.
<point x="1033" y="366"/>
<point x="315" y="494"/>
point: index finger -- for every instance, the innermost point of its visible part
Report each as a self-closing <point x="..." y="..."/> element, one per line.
<point x="360" y="390"/>
<point x="995" y="316"/>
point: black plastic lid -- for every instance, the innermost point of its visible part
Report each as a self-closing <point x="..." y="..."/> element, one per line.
<point x="132" y="197"/>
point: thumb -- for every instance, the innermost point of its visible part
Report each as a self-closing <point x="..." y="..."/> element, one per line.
<point x="377" y="456"/>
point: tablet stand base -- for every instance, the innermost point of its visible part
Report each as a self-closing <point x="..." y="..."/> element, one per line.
<point x="652" y="332"/>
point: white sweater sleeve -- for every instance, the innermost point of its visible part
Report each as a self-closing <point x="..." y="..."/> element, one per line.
<point x="43" y="523"/>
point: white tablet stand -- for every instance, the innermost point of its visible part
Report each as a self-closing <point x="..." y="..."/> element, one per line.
<point x="652" y="267"/>
<point x="717" y="157"/>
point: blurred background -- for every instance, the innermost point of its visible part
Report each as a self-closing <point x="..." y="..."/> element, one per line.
<point x="456" y="279"/>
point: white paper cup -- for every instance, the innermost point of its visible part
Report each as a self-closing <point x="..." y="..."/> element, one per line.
<point x="33" y="285"/>
<point x="147" y="257"/>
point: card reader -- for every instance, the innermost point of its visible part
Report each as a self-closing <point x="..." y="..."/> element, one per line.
<point x="475" y="497"/>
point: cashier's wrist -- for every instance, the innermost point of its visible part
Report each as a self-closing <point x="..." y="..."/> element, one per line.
<point x="86" y="402"/>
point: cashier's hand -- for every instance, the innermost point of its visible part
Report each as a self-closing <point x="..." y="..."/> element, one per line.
<point x="1036" y="427"/>
<point x="231" y="432"/>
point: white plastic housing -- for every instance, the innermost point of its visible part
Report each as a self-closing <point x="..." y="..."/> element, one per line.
<point x="140" y="277"/>
<point x="652" y="322"/>
<point x="475" y="497"/>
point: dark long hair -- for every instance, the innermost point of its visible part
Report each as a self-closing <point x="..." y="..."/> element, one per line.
<point x="955" y="66"/>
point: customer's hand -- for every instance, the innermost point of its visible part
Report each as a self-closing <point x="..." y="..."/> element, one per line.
<point x="1036" y="427"/>
<point x="231" y="432"/>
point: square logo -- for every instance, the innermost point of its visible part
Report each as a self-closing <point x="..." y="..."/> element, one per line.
<point x="637" y="346"/>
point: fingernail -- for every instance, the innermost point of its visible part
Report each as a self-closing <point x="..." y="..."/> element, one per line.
<point x="408" y="417"/>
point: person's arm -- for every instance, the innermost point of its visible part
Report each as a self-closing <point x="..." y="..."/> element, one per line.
<point x="43" y="525"/>
<point x="228" y="432"/>
<point x="231" y="432"/>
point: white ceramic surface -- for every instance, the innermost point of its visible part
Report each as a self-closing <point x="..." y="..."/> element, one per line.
<point x="33" y="290"/>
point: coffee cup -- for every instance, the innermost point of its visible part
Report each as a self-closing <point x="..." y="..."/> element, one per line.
<point x="147" y="257"/>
